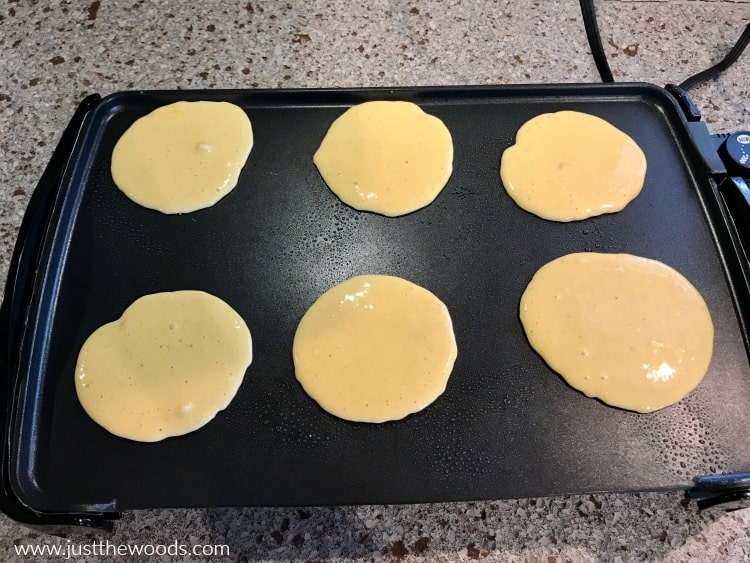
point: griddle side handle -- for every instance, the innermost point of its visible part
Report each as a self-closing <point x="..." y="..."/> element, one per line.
<point x="729" y="491"/>
<point x="13" y="310"/>
<point x="736" y="194"/>
<point x="688" y="107"/>
<point x="728" y="203"/>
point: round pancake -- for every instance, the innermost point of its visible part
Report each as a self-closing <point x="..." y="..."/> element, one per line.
<point x="631" y="331"/>
<point x="391" y="158"/>
<point x="568" y="166"/>
<point x="183" y="156"/>
<point x="375" y="348"/>
<point x="165" y="367"/>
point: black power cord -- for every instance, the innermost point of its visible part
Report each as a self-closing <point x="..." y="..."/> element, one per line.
<point x="600" y="57"/>
<point x="595" y="41"/>
<point x="722" y="65"/>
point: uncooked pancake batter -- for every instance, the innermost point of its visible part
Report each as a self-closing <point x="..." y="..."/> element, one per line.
<point x="388" y="157"/>
<point x="628" y="330"/>
<point x="166" y="367"/>
<point x="184" y="156"/>
<point x="568" y="165"/>
<point x="375" y="348"/>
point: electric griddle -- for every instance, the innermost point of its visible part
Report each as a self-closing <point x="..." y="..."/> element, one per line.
<point x="506" y="427"/>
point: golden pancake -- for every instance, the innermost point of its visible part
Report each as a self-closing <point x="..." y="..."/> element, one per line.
<point x="184" y="156"/>
<point x="375" y="348"/>
<point x="388" y="157"/>
<point x="631" y="331"/>
<point x="165" y="367"/>
<point x="567" y="166"/>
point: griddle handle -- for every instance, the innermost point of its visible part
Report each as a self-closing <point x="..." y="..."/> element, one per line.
<point x="736" y="194"/>
<point x="23" y="265"/>
<point x="729" y="491"/>
<point x="688" y="107"/>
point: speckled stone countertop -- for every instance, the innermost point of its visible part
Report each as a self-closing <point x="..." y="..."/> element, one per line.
<point x="55" y="53"/>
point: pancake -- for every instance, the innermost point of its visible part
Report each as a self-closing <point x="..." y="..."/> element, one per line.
<point x="568" y="166"/>
<point x="391" y="158"/>
<point x="631" y="331"/>
<point x="165" y="367"/>
<point x="375" y="348"/>
<point x="183" y="156"/>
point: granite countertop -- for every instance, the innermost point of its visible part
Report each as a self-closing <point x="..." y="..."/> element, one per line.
<point x="55" y="53"/>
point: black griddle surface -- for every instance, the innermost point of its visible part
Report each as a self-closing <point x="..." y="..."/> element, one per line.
<point x="507" y="426"/>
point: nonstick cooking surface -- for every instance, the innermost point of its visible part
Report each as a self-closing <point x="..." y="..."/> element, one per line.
<point x="507" y="426"/>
